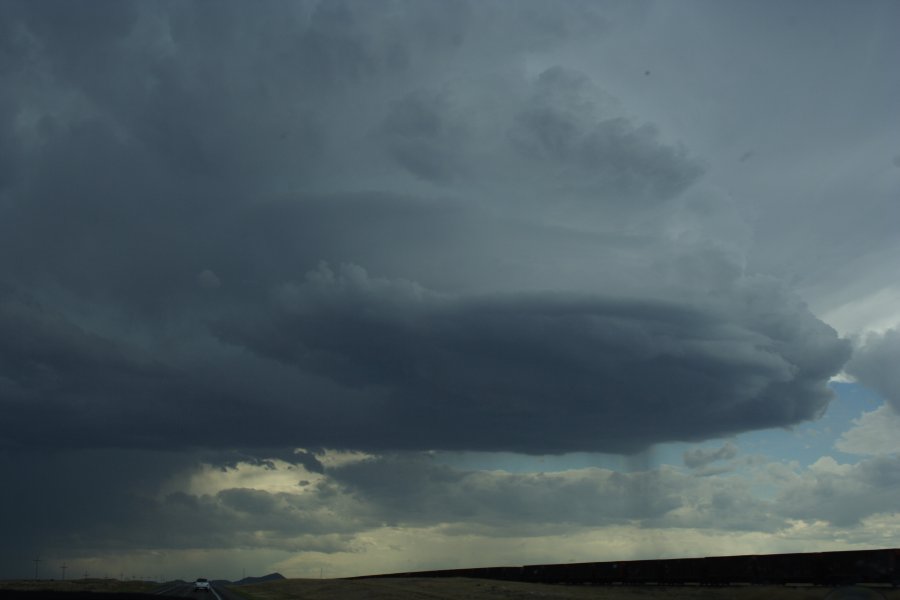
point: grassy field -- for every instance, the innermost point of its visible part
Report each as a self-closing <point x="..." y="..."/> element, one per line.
<point x="80" y="585"/>
<point x="481" y="589"/>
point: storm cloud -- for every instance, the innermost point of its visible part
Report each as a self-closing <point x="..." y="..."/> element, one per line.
<point x="508" y="372"/>
<point x="477" y="339"/>
<point x="241" y="237"/>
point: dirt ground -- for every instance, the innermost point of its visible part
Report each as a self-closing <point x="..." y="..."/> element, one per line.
<point x="481" y="589"/>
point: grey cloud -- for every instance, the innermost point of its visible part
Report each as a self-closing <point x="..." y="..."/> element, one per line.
<point x="174" y="149"/>
<point x="423" y="136"/>
<point x="145" y="144"/>
<point x="843" y="494"/>
<point x="701" y="457"/>
<point x="256" y="502"/>
<point x="88" y="501"/>
<point x="151" y="170"/>
<point x="54" y="498"/>
<point x="568" y="126"/>
<point x="48" y="362"/>
<point x="265" y="457"/>
<point x="874" y="364"/>
<point x="503" y="372"/>
<point x="251" y="518"/>
<point x="114" y="503"/>
<point x="66" y="387"/>
<point x="413" y="490"/>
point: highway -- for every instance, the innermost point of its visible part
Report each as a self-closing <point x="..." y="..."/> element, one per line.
<point x="186" y="590"/>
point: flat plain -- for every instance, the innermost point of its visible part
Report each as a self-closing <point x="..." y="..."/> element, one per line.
<point x="93" y="585"/>
<point x="482" y="589"/>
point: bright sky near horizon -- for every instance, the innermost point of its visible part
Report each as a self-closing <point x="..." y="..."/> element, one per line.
<point x="354" y="286"/>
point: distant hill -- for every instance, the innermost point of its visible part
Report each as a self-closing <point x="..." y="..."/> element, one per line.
<point x="249" y="580"/>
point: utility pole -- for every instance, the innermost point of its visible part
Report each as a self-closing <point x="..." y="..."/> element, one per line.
<point x="63" y="568"/>
<point x="36" y="561"/>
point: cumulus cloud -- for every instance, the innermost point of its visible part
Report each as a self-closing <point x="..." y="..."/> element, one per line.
<point x="843" y="494"/>
<point x="875" y="432"/>
<point x="874" y="364"/>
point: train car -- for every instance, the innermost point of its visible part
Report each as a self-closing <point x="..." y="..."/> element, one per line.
<point x="684" y="571"/>
<point x="819" y="568"/>
<point x="643" y="572"/>
<point x="860" y="566"/>
<point x="784" y="569"/>
<point x="608" y="573"/>
<point x="557" y="573"/>
<point x="502" y="573"/>
<point x="728" y="570"/>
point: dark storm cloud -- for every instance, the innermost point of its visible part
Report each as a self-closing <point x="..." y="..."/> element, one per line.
<point x="875" y="362"/>
<point x="113" y="502"/>
<point x="508" y="371"/>
<point x="165" y="166"/>
<point x="49" y="363"/>
<point x="410" y="368"/>
<point x="57" y="499"/>
<point x="152" y="139"/>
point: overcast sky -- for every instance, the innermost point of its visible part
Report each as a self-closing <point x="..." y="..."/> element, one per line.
<point x="379" y="285"/>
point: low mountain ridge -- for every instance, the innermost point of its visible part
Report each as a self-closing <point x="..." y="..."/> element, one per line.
<point x="261" y="579"/>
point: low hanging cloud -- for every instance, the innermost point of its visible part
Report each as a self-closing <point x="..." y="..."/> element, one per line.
<point x="340" y="508"/>
<point x="547" y="372"/>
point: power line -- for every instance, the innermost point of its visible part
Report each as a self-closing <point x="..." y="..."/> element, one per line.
<point x="63" y="567"/>
<point x="37" y="561"/>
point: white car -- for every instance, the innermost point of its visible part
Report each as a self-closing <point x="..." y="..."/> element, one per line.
<point x="201" y="585"/>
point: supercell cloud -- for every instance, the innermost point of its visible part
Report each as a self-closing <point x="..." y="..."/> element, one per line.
<point x="549" y="372"/>
<point x="515" y="266"/>
<point x="389" y="226"/>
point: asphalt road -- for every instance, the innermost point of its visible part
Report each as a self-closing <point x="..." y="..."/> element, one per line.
<point x="186" y="590"/>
